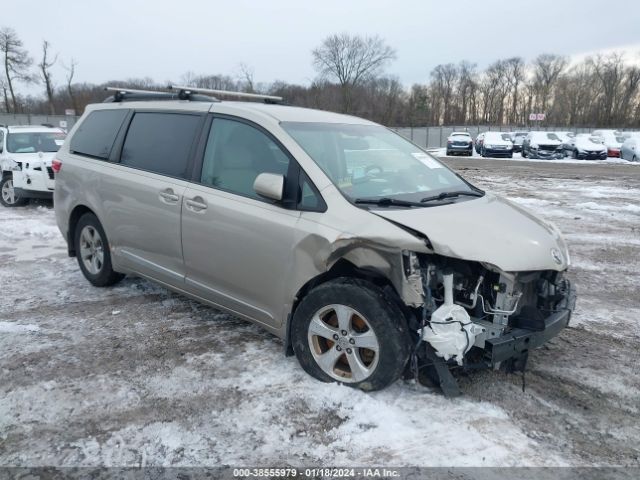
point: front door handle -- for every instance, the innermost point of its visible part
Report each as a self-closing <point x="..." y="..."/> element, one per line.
<point x="196" y="204"/>
<point x="169" y="196"/>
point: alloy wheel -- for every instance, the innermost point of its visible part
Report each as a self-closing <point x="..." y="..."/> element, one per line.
<point x="9" y="193"/>
<point x="343" y="344"/>
<point x="91" y="250"/>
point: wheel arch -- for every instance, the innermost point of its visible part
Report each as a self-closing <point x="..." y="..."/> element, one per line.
<point x="75" y="216"/>
<point x="344" y="269"/>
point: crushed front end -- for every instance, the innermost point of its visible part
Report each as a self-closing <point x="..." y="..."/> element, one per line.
<point x="477" y="316"/>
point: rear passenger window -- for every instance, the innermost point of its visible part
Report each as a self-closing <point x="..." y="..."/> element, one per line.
<point x="160" y="142"/>
<point x="96" y="134"/>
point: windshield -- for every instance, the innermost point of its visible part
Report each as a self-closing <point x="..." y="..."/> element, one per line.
<point x="370" y="161"/>
<point x="32" y="142"/>
<point x="542" y="137"/>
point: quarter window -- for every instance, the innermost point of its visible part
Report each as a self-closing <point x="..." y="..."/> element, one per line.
<point x="160" y="142"/>
<point x="96" y="134"/>
<point x="236" y="153"/>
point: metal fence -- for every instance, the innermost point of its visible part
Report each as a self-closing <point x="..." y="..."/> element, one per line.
<point x="428" y="137"/>
<point x="29" y="119"/>
<point x="436" y="137"/>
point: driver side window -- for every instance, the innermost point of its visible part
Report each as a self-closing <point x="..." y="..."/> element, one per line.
<point x="236" y="153"/>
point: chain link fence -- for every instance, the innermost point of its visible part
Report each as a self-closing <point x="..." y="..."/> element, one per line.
<point x="436" y="137"/>
<point x="428" y="137"/>
<point x="29" y="119"/>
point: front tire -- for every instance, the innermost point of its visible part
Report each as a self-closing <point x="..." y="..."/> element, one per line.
<point x="93" y="252"/>
<point x="350" y="331"/>
<point x="8" y="195"/>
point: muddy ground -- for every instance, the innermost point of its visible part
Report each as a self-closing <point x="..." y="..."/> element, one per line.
<point x="136" y="375"/>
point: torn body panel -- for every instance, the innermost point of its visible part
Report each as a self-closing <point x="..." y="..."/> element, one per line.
<point x="317" y="253"/>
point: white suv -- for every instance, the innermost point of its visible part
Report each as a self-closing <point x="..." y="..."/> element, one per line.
<point x="26" y="153"/>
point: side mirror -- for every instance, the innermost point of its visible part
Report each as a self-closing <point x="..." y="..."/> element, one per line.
<point x="269" y="185"/>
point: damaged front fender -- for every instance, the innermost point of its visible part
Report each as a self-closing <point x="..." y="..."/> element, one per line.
<point x="383" y="251"/>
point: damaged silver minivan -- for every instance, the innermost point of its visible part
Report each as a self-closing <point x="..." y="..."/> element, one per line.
<point x="369" y="257"/>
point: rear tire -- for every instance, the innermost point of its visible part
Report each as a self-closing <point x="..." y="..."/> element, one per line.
<point x="93" y="252"/>
<point x="350" y="331"/>
<point x="8" y="196"/>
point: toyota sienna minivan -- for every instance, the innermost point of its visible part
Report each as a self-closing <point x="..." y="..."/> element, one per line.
<point x="355" y="246"/>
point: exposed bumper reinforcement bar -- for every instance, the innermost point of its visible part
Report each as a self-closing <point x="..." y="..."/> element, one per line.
<point x="519" y="341"/>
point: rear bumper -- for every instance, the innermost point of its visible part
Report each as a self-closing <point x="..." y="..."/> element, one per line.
<point x="453" y="150"/>
<point x="613" y="152"/>
<point x="519" y="341"/>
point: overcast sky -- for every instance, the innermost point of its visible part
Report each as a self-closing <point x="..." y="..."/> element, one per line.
<point x="163" y="39"/>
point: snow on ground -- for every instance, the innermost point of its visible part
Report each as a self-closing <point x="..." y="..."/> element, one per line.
<point x="136" y="375"/>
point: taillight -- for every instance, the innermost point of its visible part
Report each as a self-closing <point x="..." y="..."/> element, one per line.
<point x="56" y="165"/>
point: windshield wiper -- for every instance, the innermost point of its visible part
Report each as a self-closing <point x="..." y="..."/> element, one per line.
<point x="387" y="202"/>
<point x="445" y="195"/>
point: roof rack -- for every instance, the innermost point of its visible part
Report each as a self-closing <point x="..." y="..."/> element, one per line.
<point x="122" y="94"/>
<point x="226" y="93"/>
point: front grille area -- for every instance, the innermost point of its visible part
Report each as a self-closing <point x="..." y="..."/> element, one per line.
<point x="549" y="148"/>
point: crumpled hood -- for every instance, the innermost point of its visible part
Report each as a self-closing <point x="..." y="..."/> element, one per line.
<point x="489" y="229"/>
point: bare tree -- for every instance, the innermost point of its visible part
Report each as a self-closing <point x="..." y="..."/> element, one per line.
<point x="351" y="60"/>
<point x="45" y="74"/>
<point x="5" y="94"/>
<point x="16" y="61"/>
<point x="71" y="71"/>
<point x="547" y="69"/>
<point x="246" y="77"/>
<point x="514" y="70"/>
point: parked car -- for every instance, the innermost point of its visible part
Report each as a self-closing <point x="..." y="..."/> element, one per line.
<point x="544" y="145"/>
<point x="26" y="153"/>
<point x="566" y="137"/>
<point x="517" y="138"/>
<point x="497" y="144"/>
<point x="629" y="133"/>
<point x="586" y="146"/>
<point x="612" y="140"/>
<point x="630" y="149"/>
<point x="356" y="247"/>
<point x="478" y="143"/>
<point x="459" y="143"/>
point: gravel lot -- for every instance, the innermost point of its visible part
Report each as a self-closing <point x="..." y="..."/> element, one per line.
<point x="136" y="375"/>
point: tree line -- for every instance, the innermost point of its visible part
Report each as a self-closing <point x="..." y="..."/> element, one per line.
<point x="352" y="77"/>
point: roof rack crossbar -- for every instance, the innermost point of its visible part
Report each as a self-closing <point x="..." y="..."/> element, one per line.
<point x="132" y="94"/>
<point x="228" y="93"/>
<point x="130" y="90"/>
